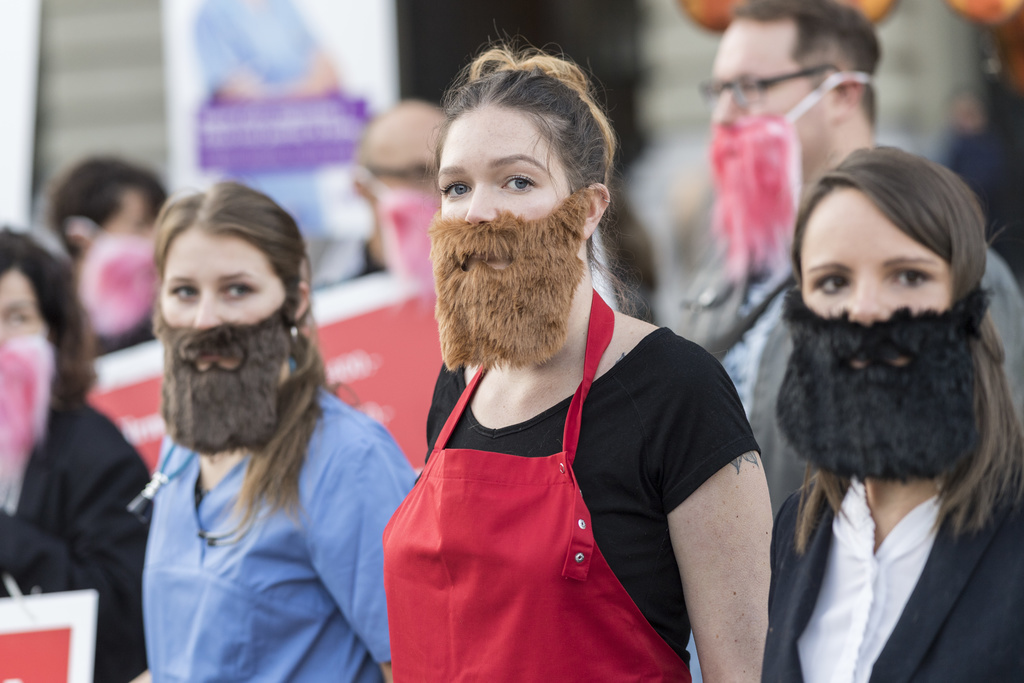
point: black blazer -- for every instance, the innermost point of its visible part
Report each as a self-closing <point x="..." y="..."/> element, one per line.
<point x="964" y="620"/>
<point x="72" y="531"/>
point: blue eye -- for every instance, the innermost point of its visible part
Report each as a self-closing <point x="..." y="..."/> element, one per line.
<point x="457" y="189"/>
<point x="184" y="291"/>
<point x="520" y="182"/>
<point x="238" y="290"/>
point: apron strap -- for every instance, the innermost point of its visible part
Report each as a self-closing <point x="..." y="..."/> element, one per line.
<point x="456" y="414"/>
<point x="599" y="335"/>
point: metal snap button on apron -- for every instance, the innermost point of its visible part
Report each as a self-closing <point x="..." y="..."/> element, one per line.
<point x="583" y="525"/>
<point x="579" y="557"/>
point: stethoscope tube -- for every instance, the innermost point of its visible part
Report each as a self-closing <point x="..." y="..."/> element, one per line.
<point x="142" y="504"/>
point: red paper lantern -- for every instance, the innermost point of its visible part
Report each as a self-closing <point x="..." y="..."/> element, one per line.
<point x="714" y="15"/>
<point x="1010" y="44"/>
<point x="989" y="12"/>
<point x="875" y="10"/>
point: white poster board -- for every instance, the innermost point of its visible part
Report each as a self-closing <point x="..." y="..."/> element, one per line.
<point x="275" y="93"/>
<point x="19" y="55"/>
<point x="48" y="638"/>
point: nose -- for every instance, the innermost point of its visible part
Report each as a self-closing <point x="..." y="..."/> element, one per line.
<point x="207" y="315"/>
<point x="866" y="307"/>
<point x="726" y="111"/>
<point x="482" y="207"/>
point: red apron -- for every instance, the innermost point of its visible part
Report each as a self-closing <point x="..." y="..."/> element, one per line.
<point x="492" y="573"/>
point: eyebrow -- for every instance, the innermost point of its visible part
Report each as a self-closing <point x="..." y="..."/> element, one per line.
<point x="223" y="278"/>
<point x="235" y="276"/>
<point x="898" y="261"/>
<point x="19" y="304"/>
<point x="497" y="163"/>
<point x="829" y="266"/>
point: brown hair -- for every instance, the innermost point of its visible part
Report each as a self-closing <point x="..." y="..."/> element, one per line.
<point x="54" y="288"/>
<point x="825" y="29"/>
<point x="231" y="209"/>
<point x="932" y="206"/>
<point x="94" y="188"/>
<point x="555" y="93"/>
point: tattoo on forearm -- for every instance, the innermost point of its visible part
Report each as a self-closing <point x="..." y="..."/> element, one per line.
<point x="749" y="456"/>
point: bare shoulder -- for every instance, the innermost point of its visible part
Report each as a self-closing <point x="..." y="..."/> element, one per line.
<point x="628" y="333"/>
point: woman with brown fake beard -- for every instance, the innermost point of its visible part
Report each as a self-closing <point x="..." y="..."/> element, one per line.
<point x="594" y="489"/>
<point x="900" y="560"/>
<point x="264" y="558"/>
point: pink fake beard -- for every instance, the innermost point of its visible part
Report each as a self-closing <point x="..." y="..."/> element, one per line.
<point x="26" y="380"/>
<point x="756" y="165"/>
<point x="117" y="283"/>
<point x="405" y="217"/>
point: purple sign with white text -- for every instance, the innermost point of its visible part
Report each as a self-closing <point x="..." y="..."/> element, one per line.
<point x="280" y="133"/>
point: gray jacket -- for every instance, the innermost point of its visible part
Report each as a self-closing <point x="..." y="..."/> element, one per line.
<point x="710" y="316"/>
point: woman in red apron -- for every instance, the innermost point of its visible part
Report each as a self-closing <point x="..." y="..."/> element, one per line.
<point x="594" y="490"/>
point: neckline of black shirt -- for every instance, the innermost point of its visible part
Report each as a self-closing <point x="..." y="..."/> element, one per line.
<point x="561" y="406"/>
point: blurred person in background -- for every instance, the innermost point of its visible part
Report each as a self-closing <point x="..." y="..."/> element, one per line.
<point x="791" y="97"/>
<point x="393" y="176"/>
<point x="593" y="491"/>
<point x="66" y="472"/>
<point x="975" y="153"/>
<point x="103" y="209"/>
<point x="265" y="556"/>
<point x="899" y="558"/>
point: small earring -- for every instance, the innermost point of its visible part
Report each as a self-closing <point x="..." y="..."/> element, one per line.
<point x="295" y="332"/>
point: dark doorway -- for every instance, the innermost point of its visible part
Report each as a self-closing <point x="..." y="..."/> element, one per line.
<point x="437" y="38"/>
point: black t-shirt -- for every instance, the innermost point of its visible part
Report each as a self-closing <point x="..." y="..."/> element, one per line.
<point x="655" y="427"/>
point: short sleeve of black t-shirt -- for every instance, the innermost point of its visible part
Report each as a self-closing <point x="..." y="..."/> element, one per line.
<point x="655" y="427"/>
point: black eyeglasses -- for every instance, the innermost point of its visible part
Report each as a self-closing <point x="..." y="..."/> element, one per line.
<point x="747" y="90"/>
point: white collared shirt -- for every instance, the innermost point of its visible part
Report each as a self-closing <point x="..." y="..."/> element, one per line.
<point x="863" y="593"/>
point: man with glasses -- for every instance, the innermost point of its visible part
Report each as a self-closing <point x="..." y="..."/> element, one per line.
<point x="790" y="96"/>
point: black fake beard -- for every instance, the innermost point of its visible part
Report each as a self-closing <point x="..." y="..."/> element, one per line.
<point x="882" y="421"/>
<point x="218" y="409"/>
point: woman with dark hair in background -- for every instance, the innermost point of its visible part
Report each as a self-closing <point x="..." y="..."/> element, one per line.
<point x="66" y="472"/>
<point x="103" y="210"/>
<point x="265" y="554"/>
<point x="898" y="560"/>
<point x="593" y="489"/>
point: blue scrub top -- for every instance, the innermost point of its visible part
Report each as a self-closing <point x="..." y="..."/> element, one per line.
<point x="270" y="41"/>
<point x="295" y="599"/>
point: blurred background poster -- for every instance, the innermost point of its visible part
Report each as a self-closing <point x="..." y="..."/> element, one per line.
<point x="19" y="51"/>
<point x="276" y="93"/>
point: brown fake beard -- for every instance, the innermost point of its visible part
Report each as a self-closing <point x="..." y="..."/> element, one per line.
<point x="218" y="409"/>
<point x="513" y="317"/>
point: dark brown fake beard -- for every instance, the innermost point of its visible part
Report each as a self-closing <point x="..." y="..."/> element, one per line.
<point x="513" y="317"/>
<point x="221" y="410"/>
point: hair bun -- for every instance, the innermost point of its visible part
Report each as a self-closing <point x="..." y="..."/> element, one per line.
<point x="503" y="57"/>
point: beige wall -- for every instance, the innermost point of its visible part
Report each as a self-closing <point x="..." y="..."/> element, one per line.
<point x="101" y="83"/>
